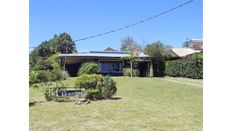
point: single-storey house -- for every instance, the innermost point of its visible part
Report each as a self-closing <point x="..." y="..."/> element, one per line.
<point x="110" y="62"/>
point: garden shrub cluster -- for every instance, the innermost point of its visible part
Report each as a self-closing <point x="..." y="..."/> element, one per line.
<point x="47" y="69"/>
<point x="88" y="81"/>
<point x="191" y="67"/>
<point x="127" y="72"/>
<point x="88" y="68"/>
<point x="96" y="86"/>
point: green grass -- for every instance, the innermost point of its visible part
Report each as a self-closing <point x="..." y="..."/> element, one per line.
<point x="142" y="104"/>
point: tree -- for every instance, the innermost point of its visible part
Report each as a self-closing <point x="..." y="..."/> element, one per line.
<point x="61" y="43"/>
<point x="186" y="43"/>
<point x="158" y="53"/>
<point x="128" y="44"/>
<point x="131" y="58"/>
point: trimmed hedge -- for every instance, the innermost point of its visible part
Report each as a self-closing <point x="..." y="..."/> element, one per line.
<point x="190" y="68"/>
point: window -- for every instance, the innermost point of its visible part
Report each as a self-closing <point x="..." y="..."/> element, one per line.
<point x="111" y="66"/>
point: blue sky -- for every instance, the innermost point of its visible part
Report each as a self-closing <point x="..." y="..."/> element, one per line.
<point x="81" y="18"/>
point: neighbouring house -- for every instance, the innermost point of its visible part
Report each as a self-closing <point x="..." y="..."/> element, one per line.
<point x="110" y="62"/>
<point x="194" y="46"/>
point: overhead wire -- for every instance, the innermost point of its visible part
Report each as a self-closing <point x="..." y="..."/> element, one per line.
<point x="136" y="23"/>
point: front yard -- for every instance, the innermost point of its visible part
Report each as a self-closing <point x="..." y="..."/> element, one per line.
<point x="140" y="104"/>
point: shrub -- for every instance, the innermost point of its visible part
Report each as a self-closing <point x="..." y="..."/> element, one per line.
<point x="88" y="81"/>
<point x="93" y="94"/>
<point x="108" y="87"/>
<point x="44" y="76"/>
<point x="49" y="93"/>
<point x="59" y="75"/>
<point x="191" y="67"/>
<point x="88" y="68"/>
<point x="127" y="72"/>
<point x="33" y="77"/>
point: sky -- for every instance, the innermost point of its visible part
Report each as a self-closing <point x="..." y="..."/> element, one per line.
<point x="82" y="18"/>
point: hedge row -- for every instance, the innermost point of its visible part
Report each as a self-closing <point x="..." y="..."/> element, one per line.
<point x="191" y="68"/>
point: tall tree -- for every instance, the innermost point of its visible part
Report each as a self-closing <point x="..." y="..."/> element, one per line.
<point x="158" y="53"/>
<point x="128" y="44"/>
<point x="61" y="43"/>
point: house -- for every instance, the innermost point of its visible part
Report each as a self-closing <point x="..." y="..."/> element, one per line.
<point x="194" y="46"/>
<point x="110" y="62"/>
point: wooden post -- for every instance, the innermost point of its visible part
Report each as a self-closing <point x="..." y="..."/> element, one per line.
<point x="151" y="68"/>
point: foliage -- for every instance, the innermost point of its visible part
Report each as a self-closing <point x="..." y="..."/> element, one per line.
<point x="88" y="81"/>
<point x="128" y="44"/>
<point x="58" y="44"/>
<point x="191" y="68"/>
<point x="33" y="77"/>
<point x="96" y="86"/>
<point x="88" y="68"/>
<point x="108" y="88"/>
<point x="47" y="90"/>
<point x="186" y="43"/>
<point x="93" y="94"/>
<point x="127" y="72"/>
<point x="44" y="76"/>
<point x="158" y="53"/>
<point x="131" y="58"/>
<point x="59" y="75"/>
<point x="48" y="69"/>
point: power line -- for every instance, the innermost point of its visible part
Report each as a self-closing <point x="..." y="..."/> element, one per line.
<point x="136" y="23"/>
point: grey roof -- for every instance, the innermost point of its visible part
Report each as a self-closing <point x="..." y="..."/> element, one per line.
<point x="102" y="54"/>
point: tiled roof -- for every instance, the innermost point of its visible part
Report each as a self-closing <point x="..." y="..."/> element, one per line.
<point x="196" y="44"/>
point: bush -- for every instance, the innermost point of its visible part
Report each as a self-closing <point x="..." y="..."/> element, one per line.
<point x="93" y="94"/>
<point x="49" y="93"/>
<point x="59" y="75"/>
<point x="191" y="67"/>
<point x="97" y="86"/>
<point x="108" y="87"/>
<point x="88" y="81"/>
<point x="127" y="72"/>
<point x="88" y="68"/>
<point x="43" y="76"/>
<point x="33" y="77"/>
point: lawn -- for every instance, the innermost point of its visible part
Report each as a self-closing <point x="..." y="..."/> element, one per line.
<point x="140" y="104"/>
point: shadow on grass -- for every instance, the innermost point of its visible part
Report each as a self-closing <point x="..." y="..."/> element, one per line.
<point x="33" y="103"/>
<point x="115" y="98"/>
